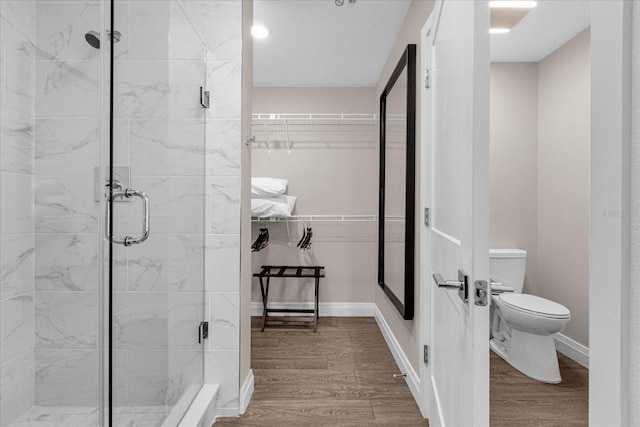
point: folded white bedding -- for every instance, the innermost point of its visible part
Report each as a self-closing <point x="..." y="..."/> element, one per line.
<point x="263" y="187"/>
<point x="273" y="207"/>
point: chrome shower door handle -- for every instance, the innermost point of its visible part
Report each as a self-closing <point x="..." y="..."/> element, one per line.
<point x="146" y="221"/>
<point x="146" y="217"/>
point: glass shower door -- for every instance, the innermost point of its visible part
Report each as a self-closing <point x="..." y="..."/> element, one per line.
<point x="157" y="149"/>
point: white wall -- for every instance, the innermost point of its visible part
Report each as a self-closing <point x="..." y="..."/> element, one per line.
<point x="564" y="121"/>
<point x="540" y="161"/>
<point x="407" y="332"/>
<point x="514" y="162"/>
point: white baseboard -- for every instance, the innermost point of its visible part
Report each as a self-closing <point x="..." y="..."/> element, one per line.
<point x="246" y="392"/>
<point x="333" y="309"/>
<point x="572" y="349"/>
<point x="412" y="379"/>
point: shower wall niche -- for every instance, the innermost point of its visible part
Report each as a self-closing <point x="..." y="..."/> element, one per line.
<point x="54" y="258"/>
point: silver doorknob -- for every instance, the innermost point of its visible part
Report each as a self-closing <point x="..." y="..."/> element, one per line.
<point x="450" y="284"/>
<point x="461" y="285"/>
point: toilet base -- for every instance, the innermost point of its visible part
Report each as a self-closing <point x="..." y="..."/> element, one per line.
<point x="533" y="355"/>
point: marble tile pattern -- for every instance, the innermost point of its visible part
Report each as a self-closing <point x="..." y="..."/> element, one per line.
<point x="17" y="243"/>
<point x="88" y="416"/>
<point x="68" y="93"/>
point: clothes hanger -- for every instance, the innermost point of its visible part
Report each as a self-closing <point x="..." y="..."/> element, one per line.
<point x="306" y="242"/>
<point x="304" y="235"/>
<point x="262" y="241"/>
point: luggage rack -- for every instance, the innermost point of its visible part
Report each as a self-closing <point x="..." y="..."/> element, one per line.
<point x="306" y="316"/>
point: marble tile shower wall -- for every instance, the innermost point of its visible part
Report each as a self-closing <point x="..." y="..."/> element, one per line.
<point x="222" y="26"/>
<point x="186" y="158"/>
<point x="67" y="131"/>
<point x="17" y="258"/>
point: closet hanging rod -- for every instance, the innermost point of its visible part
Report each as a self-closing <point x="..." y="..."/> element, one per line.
<point x="313" y="116"/>
<point x="328" y="218"/>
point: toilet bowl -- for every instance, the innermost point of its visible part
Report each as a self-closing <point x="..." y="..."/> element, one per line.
<point x="522" y="325"/>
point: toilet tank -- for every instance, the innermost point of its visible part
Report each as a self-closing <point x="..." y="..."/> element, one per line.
<point x="508" y="266"/>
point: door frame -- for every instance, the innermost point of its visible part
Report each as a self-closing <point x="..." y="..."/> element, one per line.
<point x="609" y="249"/>
<point x="610" y="190"/>
<point x="424" y="203"/>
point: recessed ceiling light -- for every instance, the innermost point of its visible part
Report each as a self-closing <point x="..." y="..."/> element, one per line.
<point x="513" y="4"/>
<point x="260" y="31"/>
<point x="499" y="30"/>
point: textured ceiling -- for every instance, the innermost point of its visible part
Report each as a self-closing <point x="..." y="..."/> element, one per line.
<point x="318" y="44"/>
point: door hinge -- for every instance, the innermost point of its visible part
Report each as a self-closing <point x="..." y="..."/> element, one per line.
<point x="426" y="355"/>
<point x="204" y="97"/>
<point x="426" y="217"/>
<point x="203" y="331"/>
<point x="427" y="79"/>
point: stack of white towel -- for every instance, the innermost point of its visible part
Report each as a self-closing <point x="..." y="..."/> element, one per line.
<point x="268" y="198"/>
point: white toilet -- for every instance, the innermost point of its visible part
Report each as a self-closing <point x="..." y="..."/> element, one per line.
<point x="521" y="324"/>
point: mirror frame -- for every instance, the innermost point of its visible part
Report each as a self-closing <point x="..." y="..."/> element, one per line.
<point x="406" y="305"/>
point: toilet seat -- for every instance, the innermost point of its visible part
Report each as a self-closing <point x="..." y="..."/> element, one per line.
<point x="535" y="305"/>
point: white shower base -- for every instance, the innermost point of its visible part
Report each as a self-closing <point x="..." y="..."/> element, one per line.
<point x="84" y="416"/>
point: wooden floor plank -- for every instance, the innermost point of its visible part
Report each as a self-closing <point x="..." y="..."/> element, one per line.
<point x="327" y="392"/>
<point x="310" y="377"/>
<point x="289" y="363"/>
<point x="404" y="412"/>
<point x="384" y="376"/>
<point x="329" y="412"/>
<point x="258" y="341"/>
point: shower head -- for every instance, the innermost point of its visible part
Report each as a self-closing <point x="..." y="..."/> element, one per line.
<point x="93" y="38"/>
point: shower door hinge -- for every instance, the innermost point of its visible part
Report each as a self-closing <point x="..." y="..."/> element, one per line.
<point x="426" y="355"/>
<point x="101" y="184"/>
<point x="203" y="331"/>
<point x="204" y="97"/>
<point x="427" y="80"/>
<point x="426" y="217"/>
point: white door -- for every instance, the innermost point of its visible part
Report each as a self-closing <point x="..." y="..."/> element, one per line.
<point x="458" y="180"/>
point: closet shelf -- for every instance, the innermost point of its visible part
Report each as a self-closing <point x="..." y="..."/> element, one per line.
<point x="311" y="118"/>
<point x="331" y="228"/>
<point x="275" y="130"/>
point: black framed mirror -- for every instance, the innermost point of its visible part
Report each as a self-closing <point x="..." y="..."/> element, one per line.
<point x="396" y="214"/>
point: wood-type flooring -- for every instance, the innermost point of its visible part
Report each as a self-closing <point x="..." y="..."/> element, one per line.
<point x="519" y="401"/>
<point x="343" y="376"/>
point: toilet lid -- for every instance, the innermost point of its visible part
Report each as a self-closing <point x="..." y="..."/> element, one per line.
<point x="533" y="304"/>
